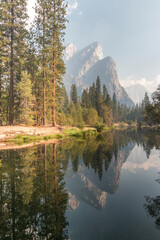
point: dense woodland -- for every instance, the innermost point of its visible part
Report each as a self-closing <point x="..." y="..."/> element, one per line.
<point x="32" y="70"/>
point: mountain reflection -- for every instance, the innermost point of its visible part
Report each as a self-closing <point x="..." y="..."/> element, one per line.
<point x="95" y="168"/>
<point x="96" y="164"/>
<point x="38" y="184"/>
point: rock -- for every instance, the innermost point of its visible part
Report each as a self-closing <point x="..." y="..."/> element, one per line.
<point x="85" y="65"/>
<point x="69" y="51"/>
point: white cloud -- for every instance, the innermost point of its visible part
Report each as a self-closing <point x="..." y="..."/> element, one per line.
<point x="72" y="6"/>
<point x="150" y="85"/>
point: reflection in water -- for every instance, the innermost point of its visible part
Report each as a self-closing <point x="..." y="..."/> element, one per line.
<point x="34" y="182"/>
<point x="152" y="207"/>
<point x="98" y="166"/>
<point x="33" y="199"/>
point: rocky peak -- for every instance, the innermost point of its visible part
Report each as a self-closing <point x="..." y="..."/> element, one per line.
<point x="84" y="67"/>
<point x="84" y="59"/>
<point x="96" y="49"/>
<point x="70" y="50"/>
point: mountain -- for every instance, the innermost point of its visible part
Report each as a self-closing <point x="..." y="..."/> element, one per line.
<point x="83" y="67"/>
<point x="137" y="92"/>
<point x="69" y="51"/>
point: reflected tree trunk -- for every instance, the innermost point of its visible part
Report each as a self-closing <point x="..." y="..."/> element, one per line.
<point x="45" y="163"/>
<point x="13" y="192"/>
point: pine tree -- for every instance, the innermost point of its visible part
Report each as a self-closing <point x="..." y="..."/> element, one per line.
<point x="146" y="100"/>
<point x="14" y="18"/>
<point x="74" y="94"/>
<point x="115" y="108"/>
<point x="42" y="39"/>
<point x="99" y="101"/>
<point x="4" y="58"/>
<point x="24" y="91"/>
<point x="106" y="97"/>
<point x="80" y="122"/>
<point x="152" y="111"/>
<point x="57" y="21"/>
<point x="49" y="35"/>
<point x="92" y="95"/>
<point x="85" y="99"/>
<point x="32" y="66"/>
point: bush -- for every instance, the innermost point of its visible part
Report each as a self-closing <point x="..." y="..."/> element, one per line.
<point x="100" y="127"/>
<point x="81" y="125"/>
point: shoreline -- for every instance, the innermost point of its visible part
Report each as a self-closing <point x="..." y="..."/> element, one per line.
<point x="16" y="137"/>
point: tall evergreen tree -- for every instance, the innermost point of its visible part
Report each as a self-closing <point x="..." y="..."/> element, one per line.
<point x="74" y="94"/>
<point x="98" y="94"/>
<point x="14" y="21"/>
<point x="115" y="108"/>
<point x="50" y="25"/>
<point x="92" y="95"/>
<point x="146" y="100"/>
<point x="106" y="97"/>
<point x="4" y="57"/>
<point x="152" y="111"/>
<point x="57" y="21"/>
<point x="42" y="39"/>
<point x="24" y="90"/>
<point x="85" y="99"/>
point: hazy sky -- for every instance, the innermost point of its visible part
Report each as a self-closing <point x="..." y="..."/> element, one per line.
<point x="129" y="31"/>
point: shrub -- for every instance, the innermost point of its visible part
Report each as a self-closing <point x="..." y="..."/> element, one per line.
<point x="100" y="127"/>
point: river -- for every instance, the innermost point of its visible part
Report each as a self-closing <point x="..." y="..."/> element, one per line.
<point x="105" y="187"/>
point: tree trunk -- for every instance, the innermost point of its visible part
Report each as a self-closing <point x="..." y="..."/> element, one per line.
<point x="55" y="167"/>
<point x="0" y="100"/>
<point x="44" y="70"/>
<point x="54" y="98"/>
<point x="13" y="195"/>
<point x="11" y="97"/>
<point x="54" y="72"/>
<point x="45" y="159"/>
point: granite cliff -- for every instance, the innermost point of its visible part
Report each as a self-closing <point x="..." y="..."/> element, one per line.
<point x="83" y="67"/>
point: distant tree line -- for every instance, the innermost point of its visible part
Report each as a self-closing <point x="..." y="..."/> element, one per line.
<point x="152" y="110"/>
<point x="95" y="106"/>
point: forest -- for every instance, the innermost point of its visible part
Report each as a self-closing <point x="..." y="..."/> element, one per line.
<point x="32" y="69"/>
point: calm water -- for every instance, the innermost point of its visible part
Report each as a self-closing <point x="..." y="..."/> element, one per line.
<point x="101" y="188"/>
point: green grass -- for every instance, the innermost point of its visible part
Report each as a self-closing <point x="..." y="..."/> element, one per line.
<point x="71" y="132"/>
<point x="21" y="139"/>
<point x="55" y="136"/>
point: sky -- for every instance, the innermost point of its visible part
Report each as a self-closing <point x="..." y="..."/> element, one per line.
<point x="129" y="31"/>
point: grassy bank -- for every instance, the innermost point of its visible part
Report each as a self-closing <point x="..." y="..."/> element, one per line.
<point x="38" y="134"/>
<point x="67" y="133"/>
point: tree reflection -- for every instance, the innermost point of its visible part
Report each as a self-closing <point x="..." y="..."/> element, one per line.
<point x="152" y="207"/>
<point x="33" y="198"/>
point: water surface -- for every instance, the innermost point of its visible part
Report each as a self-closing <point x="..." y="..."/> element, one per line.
<point x="106" y="187"/>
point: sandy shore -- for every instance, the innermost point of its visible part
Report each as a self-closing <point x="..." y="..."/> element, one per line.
<point x="12" y="131"/>
<point x="8" y="132"/>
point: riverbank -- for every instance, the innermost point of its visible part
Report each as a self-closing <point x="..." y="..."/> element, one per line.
<point x="24" y="136"/>
<point x="27" y="136"/>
